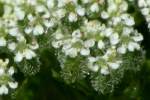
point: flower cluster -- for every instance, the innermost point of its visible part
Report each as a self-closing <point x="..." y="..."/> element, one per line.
<point x="99" y="32"/>
<point x="145" y="9"/>
<point x="101" y="43"/>
<point x="21" y="23"/>
<point x="6" y="77"/>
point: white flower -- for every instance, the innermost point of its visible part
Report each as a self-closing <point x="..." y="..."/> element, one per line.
<point x="32" y="2"/>
<point x="57" y="44"/>
<point x="114" y="65"/>
<point x="40" y="8"/>
<point x="72" y="52"/>
<point x="112" y="7"/>
<point x="30" y="17"/>
<point x="20" y="37"/>
<point x="11" y="71"/>
<point x="3" y="90"/>
<point x="138" y="38"/>
<point x="92" y="59"/>
<point x="2" y="42"/>
<point x="94" y="7"/>
<point x="114" y="39"/>
<point x="7" y="10"/>
<point x="28" y="30"/>
<point x="108" y="31"/>
<point x="18" y="57"/>
<point x="29" y="54"/>
<point x="34" y="45"/>
<point x="59" y="36"/>
<point x="80" y="11"/>
<point x="48" y="23"/>
<point x="85" y="52"/>
<point x="72" y="17"/>
<point x="13" y="85"/>
<point x="94" y="67"/>
<point x="66" y="46"/>
<point x="13" y="31"/>
<point x="116" y="20"/>
<point x="12" y="46"/>
<point x="20" y="14"/>
<point x="76" y="34"/>
<point x="1" y="71"/>
<point x="50" y="3"/>
<point x="38" y="30"/>
<point x="145" y="11"/>
<point x="129" y="21"/>
<point x="104" y="15"/>
<point x="127" y="31"/>
<point x="89" y="43"/>
<point x="101" y="44"/>
<point x="104" y="70"/>
<point x="46" y="15"/>
<point x="122" y="49"/>
<point x="132" y="46"/>
<point x="61" y="13"/>
<point x="85" y="1"/>
<point x="142" y="3"/>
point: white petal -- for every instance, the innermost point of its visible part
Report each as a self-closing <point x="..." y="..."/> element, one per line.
<point x="50" y="3"/>
<point x="138" y="38"/>
<point x="114" y="39"/>
<point x="104" y="71"/>
<point x="85" y="52"/>
<point x="40" y="8"/>
<point x="145" y="11"/>
<point x="3" y="89"/>
<point x="57" y="44"/>
<point x="13" y="31"/>
<point x="72" y="17"/>
<point x="11" y="71"/>
<point x="29" y="54"/>
<point x="72" y="52"/>
<point x="94" y="67"/>
<point x="48" y="23"/>
<point x="132" y="46"/>
<point x="38" y="30"/>
<point x="76" y="34"/>
<point x="28" y="30"/>
<point x="101" y="44"/>
<point x="122" y="49"/>
<point x="18" y="57"/>
<point x="13" y="85"/>
<point x="104" y="15"/>
<point x="129" y="21"/>
<point x="12" y="46"/>
<point x="114" y="65"/>
<point x="80" y="11"/>
<point x="94" y="7"/>
<point x="89" y="43"/>
<point x="92" y="59"/>
<point x="20" y="14"/>
<point x="2" y="42"/>
<point x="142" y="3"/>
<point x="1" y="71"/>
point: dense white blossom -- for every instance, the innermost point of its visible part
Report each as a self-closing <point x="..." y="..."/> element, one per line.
<point x="95" y="36"/>
<point x="96" y="32"/>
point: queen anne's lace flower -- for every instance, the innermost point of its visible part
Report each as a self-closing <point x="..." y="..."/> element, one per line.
<point x="108" y="40"/>
<point x="96" y="32"/>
